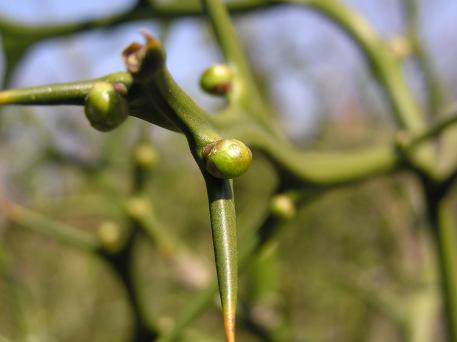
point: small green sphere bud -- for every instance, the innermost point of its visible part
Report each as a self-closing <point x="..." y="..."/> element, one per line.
<point x="282" y="207"/>
<point x="217" y="79"/>
<point x="227" y="158"/>
<point x="145" y="156"/>
<point x="137" y="207"/>
<point x="105" y="108"/>
<point x="400" y="46"/>
<point x="110" y="236"/>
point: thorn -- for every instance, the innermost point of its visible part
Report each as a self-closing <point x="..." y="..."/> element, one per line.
<point x="229" y="324"/>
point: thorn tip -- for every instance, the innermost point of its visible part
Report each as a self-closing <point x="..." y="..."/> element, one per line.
<point x="229" y="323"/>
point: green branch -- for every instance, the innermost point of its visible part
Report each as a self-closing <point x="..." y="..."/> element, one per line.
<point x="61" y="232"/>
<point x="382" y="61"/>
<point x="244" y="90"/>
<point x="432" y="84"/>
<point x="444" y="223"/>
<point x="35" y="32"/>
<point x="73" y="93"/>
<point x="302" y="168"/>
<point x="143" y="10"/>
<point x="443" y="121"/>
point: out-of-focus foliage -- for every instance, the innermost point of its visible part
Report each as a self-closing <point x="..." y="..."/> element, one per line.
<point x="346" y="268"/>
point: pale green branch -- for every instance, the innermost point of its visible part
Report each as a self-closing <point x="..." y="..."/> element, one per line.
<point x="73" y="93"/>
<point x="41" y="224"/>
<point x="382" y="61"/>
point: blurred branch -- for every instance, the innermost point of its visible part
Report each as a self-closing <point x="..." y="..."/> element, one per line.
<point x="444" y="120"/>
<point x="244" y="92"/>
<point x="142" y="10"/>
<point x="444" y="225"/>
<point x="190" y="271"/>
<point x="15" y="293"/>
<point x="432" y="84"/>
<point x="36" y="32"/>
<point x="383" y="63"/>
<point x="267" y="231"/>
<point x="59" y="231"/>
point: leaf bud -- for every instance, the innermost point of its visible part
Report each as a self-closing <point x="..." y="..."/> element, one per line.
<point x="145" y="156"/>
<point x="137" y="207"/>
<point x="105" y="108"/>
<point x="400" y="46"/>
<point x="110" y="236"/>
<point x="227" y="158"/>
<point x="217" y="80"/>
<point x="282" y="207"/>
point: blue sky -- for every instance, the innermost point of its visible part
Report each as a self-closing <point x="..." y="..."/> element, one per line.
<point x="315" y="60"/>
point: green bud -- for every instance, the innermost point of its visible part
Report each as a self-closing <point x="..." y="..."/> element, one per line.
<point x="282" y="207"/>
<point x="227" y="158"/>
<point x="105" y="108"/>
<point x="145" y="156"/>
<point x="137" y="207"/>
<point x="217" y="79"/>
<point x="400" y="46"/>
<point x="110" y="236"/>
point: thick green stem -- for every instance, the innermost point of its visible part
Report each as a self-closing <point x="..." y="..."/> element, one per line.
<point x="193" y="121"/>
<point x="155" y="97"/>
<point x="223" y="225"/>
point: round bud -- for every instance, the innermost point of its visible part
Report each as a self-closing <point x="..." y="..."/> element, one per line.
<point x="105" y="108"/>
<point x="217" y="79"/>
<point x="145" y="156"/>
<point x="137" y="207"/>
<point x="227" y="158"/>
<point x="110" y="236"/>
<point x="400" y="46"/>
<point x="282" y="207"/>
